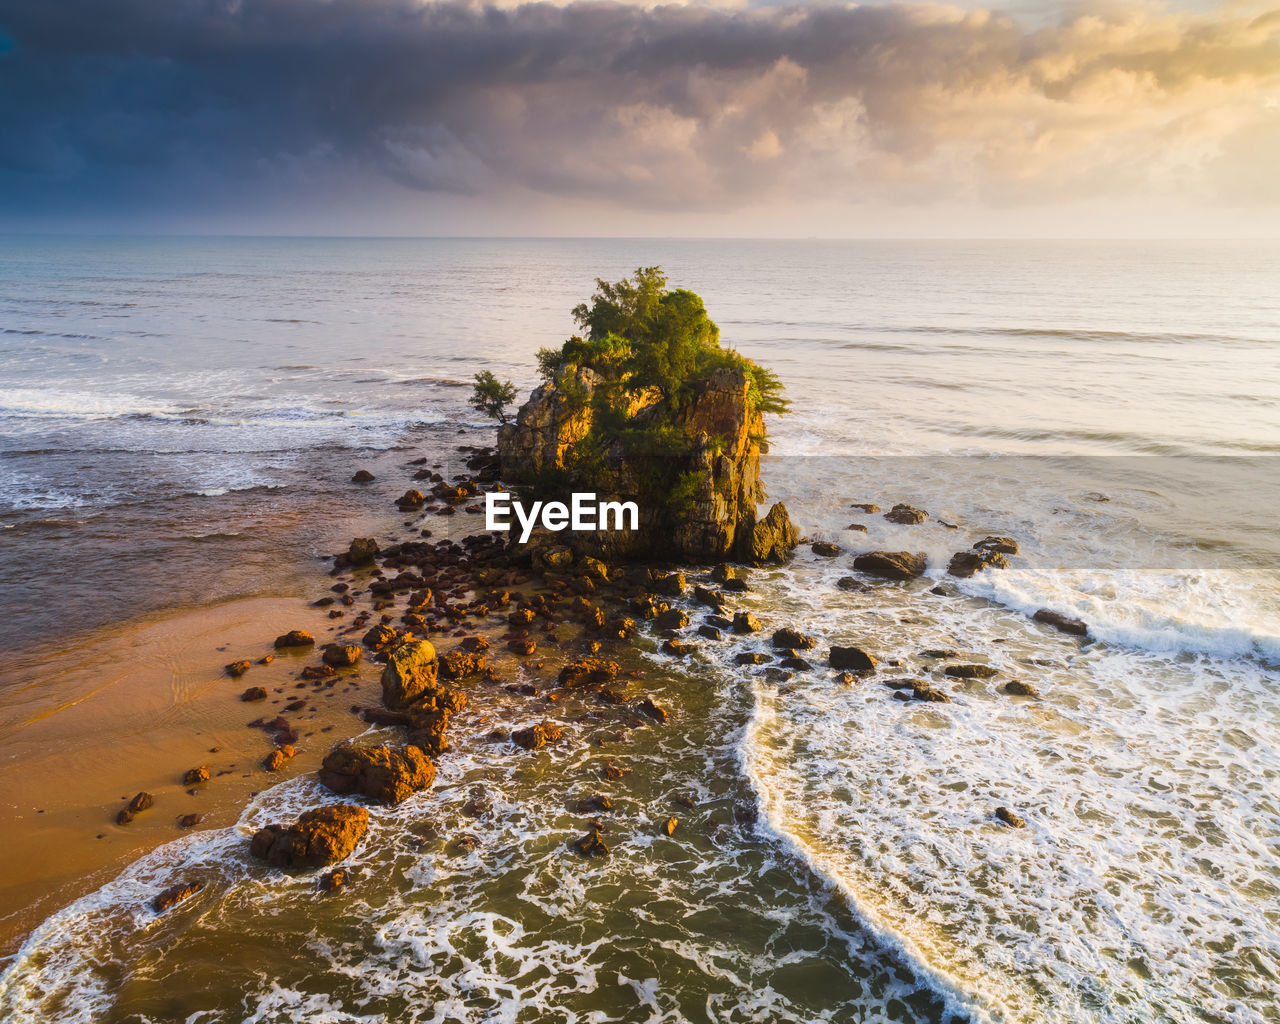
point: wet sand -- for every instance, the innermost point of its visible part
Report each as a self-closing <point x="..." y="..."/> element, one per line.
<point x="85" y="727"/>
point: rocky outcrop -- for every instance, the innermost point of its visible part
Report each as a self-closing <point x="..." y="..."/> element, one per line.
<point x="696" y="506"/>
<point x="320" y="837"/>
<point x="383" y="774"/>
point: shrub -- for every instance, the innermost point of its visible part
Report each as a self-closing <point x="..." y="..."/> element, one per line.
<point x="491" y="396"/>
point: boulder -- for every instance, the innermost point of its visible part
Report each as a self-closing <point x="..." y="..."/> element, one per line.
<point x="746" y="622"/>
<point x="362" y="476"/>
<point x="331" y="880"/>
<point x="1009" y="818"/>
<point x="535" y="737"/>
<point x="1062" y="623"/>
<point x="174" y="895"/>
<point x="254" y="693"/>
<point x="459" y="664"/>
<point x="679" y="648"/>
<point x="378" y="637"/>
<point x="586" y="671"/>
<point x="891" y="565"/>
<point x="362" y="551"/>
<point x="141" y="802"/>
<point x="794" y="639"/>
<point x="866" y="506"/>
<point x="969" y="671"/>
<point x="340" y="655"/>
<point x="647" y="707"/>
<point x="964" y="564"/>
<point x="825" y="548"/>
<point x="674" y="618"/>
<point x="383" y="774"/>
<point x="195" y="776"/>
<point x="772" y="539"/>
<point x="709" y="632"/>
<point x="852" y="584"/>
<point x="591" y="845"/>
<point x="752" y="658"/>
<point x="295" y="638"/>
<point x="237" y="668"/>
<point x="1017" y="688"/>
<point x="855" y="659"/>
<point x="906" y="515"/>
<point x="410" y="674"/>
<point x="1004" y="545"/>
<point x="320" y="837"/>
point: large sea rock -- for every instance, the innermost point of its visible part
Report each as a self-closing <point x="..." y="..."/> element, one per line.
<point x="320" y="837"/>
<point x="411" y="673"/>
<point x="717" y="517"/>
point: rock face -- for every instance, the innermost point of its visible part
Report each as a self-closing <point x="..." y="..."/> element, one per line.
<point x="410" y="674"/>
<point x="383" y="774"/>
<point x="718" y="478"/>
<point x="891" y="565"/>
<point x="320" y="837"/>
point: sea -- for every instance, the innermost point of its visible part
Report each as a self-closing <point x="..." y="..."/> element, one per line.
<point x="179" y="418"/>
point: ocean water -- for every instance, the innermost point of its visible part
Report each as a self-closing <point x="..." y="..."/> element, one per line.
<point x="177" y="422"/>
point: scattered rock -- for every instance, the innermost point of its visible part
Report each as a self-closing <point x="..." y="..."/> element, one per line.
<point x="709" y="632"/>
<point x="190" y="820"/>
<point x="917" y="689"/>
<point x="586" y="671"/>
<point x="459" y="664"/>
<point x="295" y="638"/>
<point x="906" y="515"/>
<point x="320" y="837"/>
<point x="274" y="761"/>
<point x="649" y="709"/>
<point x="679" y="648"/>
<point x="383" y="774"/>
<point x="332" y="880"/>
<point x="1062" y="623"/>
<point x="856" y="527"/>
<point x="891" y="565"/>
<point x="362" y="476"/>
<point x="522" y="648"/>
<point x="237" y="668"/>
<point x="195" y="776"/>
<point x="1017" y="688"/>
<point x="1009" y="818"/>
<point x="855" y="659"/>
<point x="174" y="895"/>
<point x="141" y="802"/>
<point x="670" y="825"/>
<point x="798" y="664"/>
<point x="866" y="507"/>
<point x="825" y="548"/>
<point x="964" y="564"/>
<point x="253" y="693"/>
<point x="752" y="658"/>
<point x="378" y="637"/>
<point x="746" y="622"/>
<point x="852" y="584"/>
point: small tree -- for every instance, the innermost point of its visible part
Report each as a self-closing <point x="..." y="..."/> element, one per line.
<point x="491" y="396"/>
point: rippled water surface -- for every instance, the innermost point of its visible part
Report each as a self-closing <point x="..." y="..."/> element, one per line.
<point x="177" y="422"/>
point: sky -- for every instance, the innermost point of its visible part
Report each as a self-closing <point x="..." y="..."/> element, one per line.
<point x="405" y="117"/>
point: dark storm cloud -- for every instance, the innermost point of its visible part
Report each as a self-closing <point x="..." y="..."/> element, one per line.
<point x="119" y="101"/>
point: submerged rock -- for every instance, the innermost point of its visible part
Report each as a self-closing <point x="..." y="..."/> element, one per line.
<point x="1017" y="688"/>
<point x="320" y="837"/>
<point x="383" y="774"/>
<point x="746" y="622"/>
<point x="586" y="671"/>
<point x="591" y="844"/>
<point x="964" y="564"/>
<point x="535" y="737"/>
<point x="825" y="548"/>
<point x="969" y="671"/>
<point x="891" y="565"/>
<point x="1004" y="545"/>
<point x="852" y="584"/>
<point x="793" y="638"/>
<point x="340" y="655"/>
<point x="362" y="476"/>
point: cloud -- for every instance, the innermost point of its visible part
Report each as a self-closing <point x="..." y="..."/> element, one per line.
<point x="125" y="103"/>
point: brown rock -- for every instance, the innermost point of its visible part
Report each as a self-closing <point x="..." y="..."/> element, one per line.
<point x="964" y="564"/>
<point x="587" y="671"/>
<point x="674" y="618"/>
<point x="891" y="565"/>
<point x="522" y="648"/>
<point x="852" y="584"/>
<point x="190" y="820"/>
<point x="378" y="637"/>
<point x="195" y="776"/>
<point x="866" y="507"/>
<point x="679" y="648"/>
<point x="752" y="658"/>
<point x="854" y="659"/>
<point x="648" y="708"/>
<point x="320" y="837"/>
<point x="669" y="826"/>
<point x="1004" y="545"/>
<point x="591" y="845"/>
<point x="382" y="774"/>
<point x="825" y="548"/>
<point x="535" y="737"/>
<point x="341" y="655"/>
<point x="746" y="622"/>
<point x="253" y="693"/>
<point x="1009" y="818"/>
<point x="362" y="476"/>
<point x="459" y="664"/>
<point x="969" y="671"/>
<point x="174" y="895"/>
<point x="794" y="639"/>
<point x="332" y="880"/>
<point x="1017" y="688"/>
<point x="1062" y="623"/>
<point x="274" y="761"/>
<point x="141" y="802"/>
<point x="410" y="674"/>
<point x="295" y="638"/>
<point x="237" y="668"/>
<point x="906" y="515"/>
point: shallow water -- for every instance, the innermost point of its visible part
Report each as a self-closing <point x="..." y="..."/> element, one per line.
<point x="1115" y="407"/>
